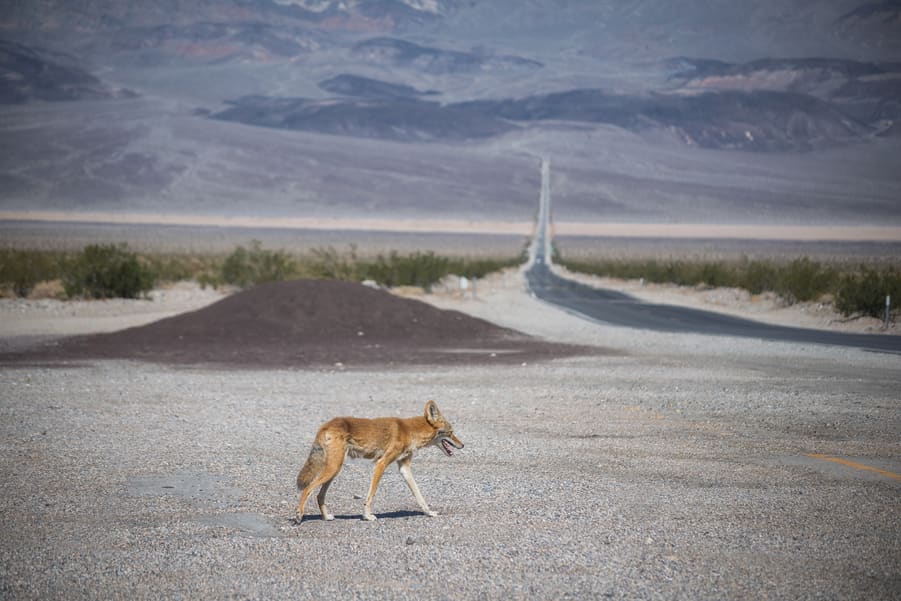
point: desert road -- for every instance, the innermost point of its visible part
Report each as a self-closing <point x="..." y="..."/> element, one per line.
<point x="616" y="308"/>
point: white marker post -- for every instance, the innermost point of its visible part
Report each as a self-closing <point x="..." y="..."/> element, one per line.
<point x="888" y="307"/>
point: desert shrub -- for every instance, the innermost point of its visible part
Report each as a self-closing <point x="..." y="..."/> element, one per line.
<point x="864" y="292"/>
<point x="177" y="267"/>
<point x="245" y="267"/>
<point x="21" y="270"/>
<point x="758" y="276"/>
<point x="683" y="273"/>
<point x="415" y="269"/>
<point x="805" y="280"/>
<point x="104" y="271"/>
<point x="626" y="270"/>
<point x="423" y="269"/>
<point x="107" y="271"/>
<point x="480" y="267"/>
<point x="330" y="264"/>
<point x="659" y="271"/>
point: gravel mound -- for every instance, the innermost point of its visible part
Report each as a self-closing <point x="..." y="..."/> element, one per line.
<point x="310" y="322"/>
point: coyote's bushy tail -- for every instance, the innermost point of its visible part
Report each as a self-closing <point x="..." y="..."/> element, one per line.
<point x="315" y="463"/>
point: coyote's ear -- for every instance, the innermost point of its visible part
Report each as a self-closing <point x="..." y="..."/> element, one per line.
<point x="432" y="414"/>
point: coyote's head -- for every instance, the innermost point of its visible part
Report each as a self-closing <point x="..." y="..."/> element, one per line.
<point x="444" y="434"/>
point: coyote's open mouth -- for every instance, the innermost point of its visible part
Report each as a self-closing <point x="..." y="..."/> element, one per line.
<point x="447" y="447"/>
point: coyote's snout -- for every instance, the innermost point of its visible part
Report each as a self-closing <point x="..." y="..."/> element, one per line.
<point x="384" y="440"/>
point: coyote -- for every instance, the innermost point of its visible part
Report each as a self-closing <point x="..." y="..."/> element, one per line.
<point x="384" y="439"/>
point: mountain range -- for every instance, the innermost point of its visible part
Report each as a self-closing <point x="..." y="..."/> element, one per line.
<point x="762" y="78"/>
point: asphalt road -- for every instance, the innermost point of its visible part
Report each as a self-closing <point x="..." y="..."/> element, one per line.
<point x="617" y="308"/>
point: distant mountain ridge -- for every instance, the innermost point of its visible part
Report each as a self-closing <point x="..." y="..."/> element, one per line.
<point x="213" y="42"/>
<point x="366" y="87"/>
<point x="651" y="109"/>
<point x="758" y="120"/>
<point x="868" y="92"/>
<point x="28" y="75"/>
<point x="401" y="53"/>
<point x="868" y="30"/>
<point x="402" y="119"/>
<point x="762" y="105"/>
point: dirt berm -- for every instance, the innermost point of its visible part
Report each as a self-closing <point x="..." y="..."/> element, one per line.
<point x="309" y="323"/>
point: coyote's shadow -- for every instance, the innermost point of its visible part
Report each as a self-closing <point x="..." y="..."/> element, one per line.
<point x="389" y="515"/>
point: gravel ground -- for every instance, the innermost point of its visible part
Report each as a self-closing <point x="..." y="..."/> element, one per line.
<point x="673" y="467"/>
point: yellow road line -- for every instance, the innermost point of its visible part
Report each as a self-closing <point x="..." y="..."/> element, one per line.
<point x="855" y="465"/>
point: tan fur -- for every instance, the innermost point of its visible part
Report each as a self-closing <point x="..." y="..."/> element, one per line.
<point x="384" y="440"/>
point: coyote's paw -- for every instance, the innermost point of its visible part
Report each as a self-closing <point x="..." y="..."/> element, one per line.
<point x="328" y="517"/>
<point x="369" y="517"/>
<point x="431" y="514"/>
<point x="297" y="519"/>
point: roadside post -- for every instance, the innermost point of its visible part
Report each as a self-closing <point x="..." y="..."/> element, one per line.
<point x="888" y="306"/>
